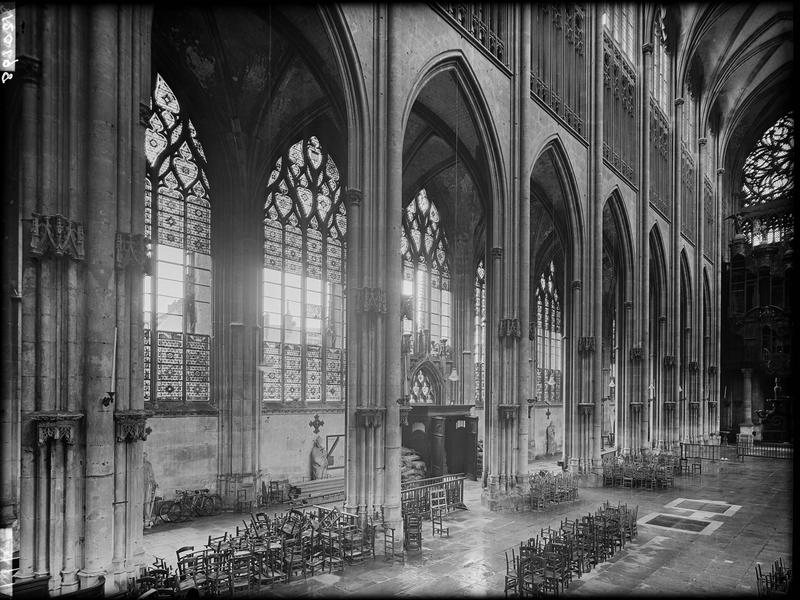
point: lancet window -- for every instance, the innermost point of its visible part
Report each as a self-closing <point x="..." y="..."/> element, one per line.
<point x="549" y="334"/>
<point x="305" y="223"/>
<point x="479" y="347"/>
<point x="177" y="293"/>
<point x="426" y="276"/>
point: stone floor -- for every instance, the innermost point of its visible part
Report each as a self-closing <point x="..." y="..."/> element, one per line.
<point x="718" y="561"/>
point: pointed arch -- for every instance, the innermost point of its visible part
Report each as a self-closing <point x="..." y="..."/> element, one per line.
<point x="570" y="221"/>
<point x="622" y="226"/>
<point x="686" y="281"/>
<point x="454" y="61"/>
<point x="428" y="374"/>
<point x="658" y="268"/>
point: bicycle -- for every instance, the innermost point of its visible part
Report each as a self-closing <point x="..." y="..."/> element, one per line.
<point x="190" y="503"/>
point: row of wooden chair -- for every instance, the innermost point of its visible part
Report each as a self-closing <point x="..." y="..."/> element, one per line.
<point x="548" y="488"/>
<point x="776" y="582"/>
<point x="546" y="564"/>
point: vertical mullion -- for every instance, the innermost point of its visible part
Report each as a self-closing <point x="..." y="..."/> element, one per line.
<point x="303" y="301"/>
<point x="153" y="285"/>
<point x="325" y="317"/>
<point x="282" y="340"/>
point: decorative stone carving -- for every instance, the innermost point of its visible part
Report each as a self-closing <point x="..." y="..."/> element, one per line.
<point x="131" y="425"/>
<point x="586" y="408"/>
<point x="371" y="300"/>
<point x="56" y="234"/>
<point x="509" y="328"/>
<point x="586" y="344"/>
<point x="132" y="251"/>
<point x="497" y="253"/>
<point x="352" y="197"/>
<point x="669" y="361"/>
<point x="694" y="366"/>
<point x="370" y="416"/>
<point x="531" y="331"/>
<point x="56" y="426"/>
<point x="647" y="48"/>
<point x="637" y="353"/>
<point x="577" y="284"/>
<point x="507" y="412"/>
<point x="712" y="370"/>
<point x="407" y="307"/>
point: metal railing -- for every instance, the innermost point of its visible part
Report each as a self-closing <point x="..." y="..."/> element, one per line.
<point x="746" y="446"/>
<point x="707" y="451"/>
<point x="418" y="492"/>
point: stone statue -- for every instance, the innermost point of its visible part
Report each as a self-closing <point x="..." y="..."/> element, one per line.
<point x="551" y="438"/>
<point x="150" y="485"/>
<point x="319" y="462"/>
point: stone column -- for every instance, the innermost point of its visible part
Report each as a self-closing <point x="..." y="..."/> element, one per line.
<point x="491" y="456"/>
<point x="643" y="303"/>
<point x="391" y="265"/>
<point x="100" y="292"/>
<point x="524" y="387"/>
<point x="674" y="308"/>
<point x="596" y="225"/>
<point x="572" y="422"/>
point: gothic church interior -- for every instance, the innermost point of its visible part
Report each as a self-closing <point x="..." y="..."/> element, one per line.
<point x="365" y="244"/>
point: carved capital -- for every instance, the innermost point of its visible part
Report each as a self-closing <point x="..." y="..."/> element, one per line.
<point x="637" y="353"/>
<point x="647" y="48"/>
<point x="132" y="251"/>
<point x="58" y="235"/>
<point x="679" y="101"/>
<point x="507" y="412"/>
<point x="627" y="305"/>
<point x="28" y="68"/>
<point x="694" y="366"/>
<point x="586" y="344"/>
<point x="662" y="319"/>
<point x="369" y="416"/>
<point x="56" y="426"/>
<point x="702" y="141"/>
<point x="577" y="284"/>
<point x="509" y="328"/>
<point x="497" y="253"/>
<point x="721" y="171"/>
<point x="669" y="361"/>
<point x="352" y="197"/>
<point x="371" y="300"/>
<point x="712" y="370"/>
<point x="131" y="425"/>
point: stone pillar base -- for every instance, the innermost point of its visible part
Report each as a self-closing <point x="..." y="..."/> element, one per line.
<point x="515" y="500"/>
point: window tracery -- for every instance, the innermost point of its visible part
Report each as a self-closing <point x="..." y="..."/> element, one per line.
<point x="305" y="223"/>
<point x="548" y="337"/>
<point x="479" y="347"/>
<point x="769" y="179"/>
<point x="426" y="274"/>
<point x="177" y="296"/>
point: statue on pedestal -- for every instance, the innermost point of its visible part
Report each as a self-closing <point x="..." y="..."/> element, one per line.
<point x="319" y="462"/>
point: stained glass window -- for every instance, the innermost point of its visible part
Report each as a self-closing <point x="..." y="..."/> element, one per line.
<point x="421" y="388"/>
<point x="480" y="332"/>
<point x="548" y="337"/>
<point x="769" y="179"/>
<point x="426" y="273"/>
<point x="177" y="295"/>
<point x="303" y="289"/>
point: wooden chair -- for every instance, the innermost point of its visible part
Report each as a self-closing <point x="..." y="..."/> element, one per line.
<point x="244" y="504"/>
<point x="191" y="571"/>
<point x="438" y="501"/>
<point x="241" y="571"/>
<point x="217" y="572"/>
<point x="512" y="574"/>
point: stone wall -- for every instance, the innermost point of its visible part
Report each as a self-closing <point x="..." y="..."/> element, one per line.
<point x="183" y="452"/>
<point x="286" y="441"/>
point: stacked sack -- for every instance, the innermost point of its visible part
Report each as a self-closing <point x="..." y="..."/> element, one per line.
<point x="412" y="467"/>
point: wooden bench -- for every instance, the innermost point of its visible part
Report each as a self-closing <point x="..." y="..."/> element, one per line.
<point x="317" y="491"/>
